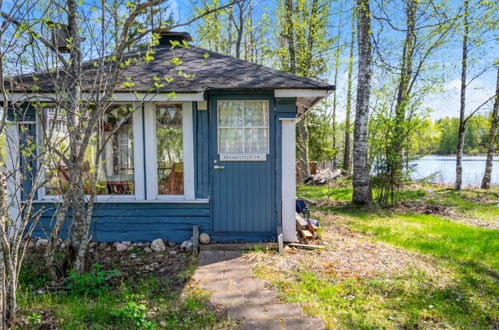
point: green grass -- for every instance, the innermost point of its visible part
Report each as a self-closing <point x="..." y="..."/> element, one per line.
<point x="435" y="236"/>
<point x="314" y="192"/>
<point x="123" y="302"/>
<point x="462" y="294"/>
<point x="163" y="307"/>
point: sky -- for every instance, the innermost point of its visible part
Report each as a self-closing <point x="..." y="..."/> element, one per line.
<point x="443" y="103"/>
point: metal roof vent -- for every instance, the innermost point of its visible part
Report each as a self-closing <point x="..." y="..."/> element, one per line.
<point x="168" y="37"/>
<point x="60" y="36"/>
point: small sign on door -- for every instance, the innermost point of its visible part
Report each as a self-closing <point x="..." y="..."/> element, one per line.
<point x="243" y="157"/>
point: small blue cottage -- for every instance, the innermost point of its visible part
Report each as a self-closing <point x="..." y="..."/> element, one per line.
<point x="219" y="154"/>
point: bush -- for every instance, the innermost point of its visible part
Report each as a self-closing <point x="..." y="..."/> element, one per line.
<point x="92" y="283"/>
<point x="133" y="313"/>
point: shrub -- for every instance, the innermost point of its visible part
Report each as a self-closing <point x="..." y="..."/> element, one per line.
<point x="133" y="313"/>
<point x="91" y="283"/>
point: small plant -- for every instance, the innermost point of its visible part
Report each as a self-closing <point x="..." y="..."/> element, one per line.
<point x="92" y="283"/>
<point x="133" y="313"/>
<point x="35" y="318"/>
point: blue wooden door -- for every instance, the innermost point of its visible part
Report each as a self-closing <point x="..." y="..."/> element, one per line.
<point x="242" y="163"/>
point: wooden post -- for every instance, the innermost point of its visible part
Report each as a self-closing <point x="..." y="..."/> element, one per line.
<point x="195" y="240"/>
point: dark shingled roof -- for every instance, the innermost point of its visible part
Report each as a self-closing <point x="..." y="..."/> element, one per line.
<point x="207" y="71"/>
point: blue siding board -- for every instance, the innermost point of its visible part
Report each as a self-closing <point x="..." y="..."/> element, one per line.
<point x="134" y="222"/>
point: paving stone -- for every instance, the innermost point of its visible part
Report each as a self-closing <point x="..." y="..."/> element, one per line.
<point x="228" y="298"/>
<point x="211" y="257"/>
<point x="230" y="279"/>
<point x="208" y="274"/>
<point x="215" y="285"/>
<point x="241" y="312"/>
<point x="283" y="310"/>
<point x="232" y="255"/>
<point x="266" y="324"/>
<point x="236" y="274"/>
<point x="237" y="264"/>
<point x="260" y="297"/>
<point x="304" y="323"/>
<point x="217" y="266"/>
<point x="247" y="284"/>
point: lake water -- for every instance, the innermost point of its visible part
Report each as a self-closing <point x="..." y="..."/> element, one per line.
<point x="445" y="169"/>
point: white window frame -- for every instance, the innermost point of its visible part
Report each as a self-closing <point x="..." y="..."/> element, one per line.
<point x="243" y="127"/>
<point x="151" y="153"/>
<point x="138" y="159"/>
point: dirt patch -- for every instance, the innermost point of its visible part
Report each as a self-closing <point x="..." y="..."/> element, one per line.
<point x="349" y="254"/>
<point x="422" y="207"/>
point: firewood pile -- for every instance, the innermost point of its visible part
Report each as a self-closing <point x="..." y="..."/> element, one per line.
<point x="324" y="176"/>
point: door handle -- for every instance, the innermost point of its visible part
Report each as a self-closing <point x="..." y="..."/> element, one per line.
<point x="218" y="167"/>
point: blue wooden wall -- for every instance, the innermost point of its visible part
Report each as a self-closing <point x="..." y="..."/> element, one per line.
<point x="134" y="221"/>
<point x="143" y="221"/>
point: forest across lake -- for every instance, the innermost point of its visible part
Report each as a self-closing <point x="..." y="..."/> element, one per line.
<point x="443" y="169"/>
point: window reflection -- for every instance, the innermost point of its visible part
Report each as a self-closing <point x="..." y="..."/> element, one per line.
<point x="170" y="149"/>
<point x="116" y="165"/>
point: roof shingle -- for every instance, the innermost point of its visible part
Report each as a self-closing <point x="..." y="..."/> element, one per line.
<point x="201" y="70"/>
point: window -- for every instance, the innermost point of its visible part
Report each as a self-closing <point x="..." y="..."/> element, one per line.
<point x="243" y="127"/>
<point x="148" y="155"/>
<point x="116" y="144"/>
<point x="169" y="149"/>
<point x="117" y="161"/>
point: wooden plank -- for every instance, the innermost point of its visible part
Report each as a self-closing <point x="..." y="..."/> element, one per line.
<point x="300" y="220"/>
<point x="306" y="246"/>
<point x="242" y="246"/>
<point x="195" y="240"/>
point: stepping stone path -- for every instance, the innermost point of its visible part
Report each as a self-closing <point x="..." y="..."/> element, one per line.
<point x="230" y="281"/>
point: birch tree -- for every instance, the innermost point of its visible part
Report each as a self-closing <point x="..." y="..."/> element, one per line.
<point x="347" y="146"/>
<point x="407" y="74"/>
<point x="492" y="139"/>
<point x="477" y="24"/>
<point x="19" y="180"/>
<point x="361" y="186"/>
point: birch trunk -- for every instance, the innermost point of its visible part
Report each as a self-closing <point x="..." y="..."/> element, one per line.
<point x="335" y="102"/>
<point x="346" y="152"/>
<point x="494" y="121"/>
<point x="361" y="184"/>
<point x="462" y="106"/>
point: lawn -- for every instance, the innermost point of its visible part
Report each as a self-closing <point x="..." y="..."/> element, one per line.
<point x="391" y="268"/>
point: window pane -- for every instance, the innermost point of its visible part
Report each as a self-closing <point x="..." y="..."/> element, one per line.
<point x="255" y="140"/>
<point x="230" y="113"/>
<point x="56" y="172"/>
<point x="170" y="149"/>
<point x="116" y="167"/>
<point x="230" y="140"/>
<point x="256" y="113"/>
<point x="117" y="173"/>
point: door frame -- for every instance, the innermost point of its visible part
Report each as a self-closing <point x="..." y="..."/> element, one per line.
<point x="213" y="97"/>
